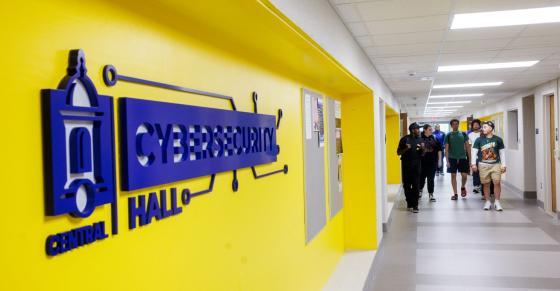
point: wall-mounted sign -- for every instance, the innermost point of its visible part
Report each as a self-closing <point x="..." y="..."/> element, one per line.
<point x="160" y="143"/>
<point x="166" y="142"/>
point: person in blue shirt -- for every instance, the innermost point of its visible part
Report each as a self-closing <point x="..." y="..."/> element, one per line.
<point x="440" y="137"/>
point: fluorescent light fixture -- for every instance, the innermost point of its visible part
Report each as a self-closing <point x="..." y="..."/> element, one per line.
<point x="450" y="102"/>
<point x="439" y="110"/>
<point x="467" y="85"/>
<point x="506" y="18"/>
<point x="457" y="95"/>
<point x="488" y="66"/>
<point x="444" y="107"/>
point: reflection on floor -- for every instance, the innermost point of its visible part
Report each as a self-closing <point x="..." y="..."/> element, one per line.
<point x="456" y="246"/>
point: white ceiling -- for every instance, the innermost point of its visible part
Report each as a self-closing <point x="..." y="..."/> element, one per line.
<point x="413" y="36"/>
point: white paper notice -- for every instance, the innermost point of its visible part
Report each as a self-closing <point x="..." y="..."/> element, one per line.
<point x="307" y="110"/>
<point x="337" y="112"/>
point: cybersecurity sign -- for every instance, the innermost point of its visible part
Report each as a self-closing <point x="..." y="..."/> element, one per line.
<point x="167" y="142"/>
<point x="160" y="143"/>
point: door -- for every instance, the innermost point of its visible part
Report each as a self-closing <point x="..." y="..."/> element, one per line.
<point x="552" y="142"/>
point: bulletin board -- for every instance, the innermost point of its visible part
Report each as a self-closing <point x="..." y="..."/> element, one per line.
<point x="313" y="105"/>
<point x="335" y="150"/>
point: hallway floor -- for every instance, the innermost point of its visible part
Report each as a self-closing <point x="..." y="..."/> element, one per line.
<point x="456" y="246"/>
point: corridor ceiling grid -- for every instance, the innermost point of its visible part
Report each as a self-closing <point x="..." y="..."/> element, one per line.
<point x="407" y="40"/>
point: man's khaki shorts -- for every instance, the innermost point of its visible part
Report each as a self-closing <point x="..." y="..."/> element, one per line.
<point x="490" y="172"/>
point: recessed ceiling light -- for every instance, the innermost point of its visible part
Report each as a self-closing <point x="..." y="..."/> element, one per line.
<point x="450" y="102"/>
<point x="466" y="85"/>
<point x="506" y="18"/>
<point x="457" y="95"/>
<point x="486" y="66"/>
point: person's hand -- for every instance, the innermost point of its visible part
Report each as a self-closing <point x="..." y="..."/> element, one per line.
<point x="448" y="165"/>
<point x="439" y="164"/>
<point x="474" y="168"/>
<point x="503" y="168"/>
<point x="408" y="146"/>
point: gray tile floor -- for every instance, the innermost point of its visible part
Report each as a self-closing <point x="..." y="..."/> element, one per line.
<point x="456" y="246"/>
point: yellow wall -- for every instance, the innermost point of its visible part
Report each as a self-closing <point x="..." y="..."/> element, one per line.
<point x="463" y="126"/>
<point x="359" y="173"/>
<point x="392" y="123"/>
<point x="249" y="240"/>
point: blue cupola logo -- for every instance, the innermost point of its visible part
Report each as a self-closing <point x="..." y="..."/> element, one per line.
<point x="79" y="144"/>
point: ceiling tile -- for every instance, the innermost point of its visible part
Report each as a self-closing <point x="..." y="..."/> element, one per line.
<point x="475" y="45"/>
<point x="535" y="41"/>
<point x="550" y="29"/>
<point x="358" y="28"/>
<point x="383" y="10"/>
<point x="403" y="50"/>
<point x="365" y="41"/>
<point x="348" y="12"/>
<point x="467" y="58"/>
<point x="408" y="25"/>
<point x="405" y="60"/>
<point x="524" y="54"/>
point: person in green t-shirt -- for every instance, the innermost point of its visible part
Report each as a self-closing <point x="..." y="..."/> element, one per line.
<point x="490" y="151"/>
<point x="457" y="150"/>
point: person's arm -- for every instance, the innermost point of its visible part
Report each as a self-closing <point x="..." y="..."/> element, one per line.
<point x="503" y="159"/>
<point x="468" y="149"/>
<point x="474" y="153"/>
<point x="447" y="154"/>
<point x="403" y="146"/>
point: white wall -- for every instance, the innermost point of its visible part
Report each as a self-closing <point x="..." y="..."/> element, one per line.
<point x="541" y="139"/>
<point x="516" y="164"/>
<point x="320" y="21"/>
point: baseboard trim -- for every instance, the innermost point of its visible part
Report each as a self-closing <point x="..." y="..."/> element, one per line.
<point x="540" y="204"/>
<point x="387" y="224"/>
<point x="527" y="195"/>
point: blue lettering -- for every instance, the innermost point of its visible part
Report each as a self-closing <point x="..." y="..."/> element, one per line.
<point x="153" y="208"/>
<point x="134" y="211"/>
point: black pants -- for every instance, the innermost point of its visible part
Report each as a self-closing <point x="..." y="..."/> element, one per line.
<point x="476" y="178"/>
<point x="411" y="171"/>
<point x="428" y="172"/>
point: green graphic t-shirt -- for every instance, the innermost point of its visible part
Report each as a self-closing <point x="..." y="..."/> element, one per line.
<point x="456" y="141"/>
<point x="489" y="149"/>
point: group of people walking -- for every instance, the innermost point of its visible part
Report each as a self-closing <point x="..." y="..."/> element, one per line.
<point x="480" y="151"/>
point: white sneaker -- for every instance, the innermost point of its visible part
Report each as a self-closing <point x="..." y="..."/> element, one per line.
<point x="487" y="205"/>
<point x="498" y="206"/>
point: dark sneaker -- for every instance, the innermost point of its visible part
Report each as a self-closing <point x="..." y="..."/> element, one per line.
<point x="454" y="197"/>
<point x="475" y="191"/>
<point x="432" y="199"/>
<point x="415" y="210"/>
<point x="463" y="192"/>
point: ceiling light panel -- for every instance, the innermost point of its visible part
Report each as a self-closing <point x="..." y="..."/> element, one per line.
<point x="488" y="66"/>
<point x="506" y="18"/>
<point x="450" y="102"/>
<point x="456" y="95"/>
<point x="467" y="85"/>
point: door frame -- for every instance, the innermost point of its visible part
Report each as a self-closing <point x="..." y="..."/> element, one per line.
<point x="549" y="156"/>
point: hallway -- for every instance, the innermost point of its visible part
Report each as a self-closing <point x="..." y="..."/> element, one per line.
<point x="456" y="246"/>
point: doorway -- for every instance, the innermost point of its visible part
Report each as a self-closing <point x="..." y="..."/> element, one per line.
<point x="552" y="137"/>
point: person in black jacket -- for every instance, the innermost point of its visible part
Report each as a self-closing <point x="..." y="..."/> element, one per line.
<point x="431" y="160"/>
<point x="411" y="148"/>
